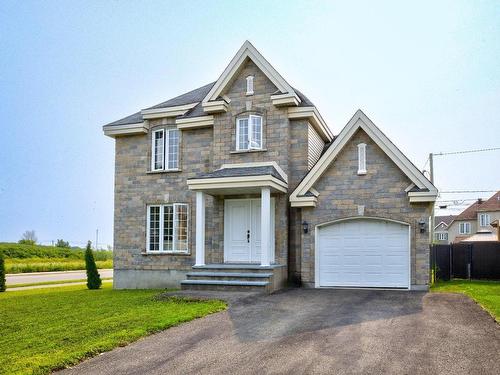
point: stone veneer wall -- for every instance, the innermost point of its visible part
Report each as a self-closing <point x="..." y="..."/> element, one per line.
<point x="381" y="191"/>
<point x="202" y="150"/>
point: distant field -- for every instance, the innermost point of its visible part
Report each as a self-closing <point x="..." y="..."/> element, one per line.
<point x="37" y="258"/>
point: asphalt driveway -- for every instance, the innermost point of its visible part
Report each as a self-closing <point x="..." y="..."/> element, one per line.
<point x="305" y="331"/>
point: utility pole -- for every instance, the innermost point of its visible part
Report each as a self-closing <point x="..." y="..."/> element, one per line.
<point x="96" y="237"/>
<point x="431" y="167"/>
<point x="431" y="177"/>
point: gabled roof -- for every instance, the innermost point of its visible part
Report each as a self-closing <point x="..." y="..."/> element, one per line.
<point x="492" y="204"/>
<point x="470" y="213"/>
<point x="446" y="220"/>
<point x="248" y="51"/>
<point x="193" y="96"/>
<point x="424" y="190"/>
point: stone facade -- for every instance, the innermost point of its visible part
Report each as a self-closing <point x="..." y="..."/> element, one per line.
<point x="381" y="191"/>
<point x="201" y="151"/>
<point x="286" y="143"/>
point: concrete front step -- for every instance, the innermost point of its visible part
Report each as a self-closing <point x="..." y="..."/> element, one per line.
<point x="224" y="285"/>
<point x="239" y="268"/>
<point x="229" y="276"/>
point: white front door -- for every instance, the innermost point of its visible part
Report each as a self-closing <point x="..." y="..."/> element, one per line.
<point x="242" y="230"/>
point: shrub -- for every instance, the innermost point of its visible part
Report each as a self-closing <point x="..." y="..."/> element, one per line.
<point x="19" y="251"/>
<point x="62" y="243"/>
<point x="2" y="274"/>
<point x="93" y="277"/>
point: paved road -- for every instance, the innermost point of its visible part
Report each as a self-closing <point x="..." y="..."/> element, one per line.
<point x="38" y="277"/>
<point x="320" y="331"/>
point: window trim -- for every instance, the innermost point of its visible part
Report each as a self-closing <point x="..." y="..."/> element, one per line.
<point x="362" y="159"/>
<point x="487" y="224"/>
<point x="166" y="148"/>
<point x="249" y="132"/>
<point x="161" y="229"/>
<point x="441" y="236"/>
<point x="466" y="225"/>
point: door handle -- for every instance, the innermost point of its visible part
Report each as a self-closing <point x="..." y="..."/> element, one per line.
<point x="248" y="236"/>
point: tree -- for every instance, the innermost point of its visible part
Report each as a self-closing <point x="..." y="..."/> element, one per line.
<point x="62" y="243"/>
<point x="2" y="274"/>
<point x="93" y="277"/>
<point x="28" y="238"/>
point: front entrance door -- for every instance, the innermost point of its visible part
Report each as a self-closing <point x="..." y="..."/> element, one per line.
<point x="242" y="230"/>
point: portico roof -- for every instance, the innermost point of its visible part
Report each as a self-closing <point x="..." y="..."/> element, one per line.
<point x="239" y="180"/>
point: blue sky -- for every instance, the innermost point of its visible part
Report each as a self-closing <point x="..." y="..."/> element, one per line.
<point x="427" y="73"/>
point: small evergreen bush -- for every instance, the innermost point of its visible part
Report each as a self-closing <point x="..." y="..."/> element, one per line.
<point x="2" y="274"/>
<point x="93" y="277"/>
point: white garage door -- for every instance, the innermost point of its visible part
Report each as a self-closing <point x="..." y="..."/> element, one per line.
<point x="364" y="253"/>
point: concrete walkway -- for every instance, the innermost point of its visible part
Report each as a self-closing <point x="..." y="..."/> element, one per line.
<point x="306" y="331"/>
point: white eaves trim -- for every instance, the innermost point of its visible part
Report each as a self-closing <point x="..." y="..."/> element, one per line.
<point x="361" y="121"/>
<point x="285" y="100"/>
<point x="167" y="112"/>
<point x="240" y="182"/>
<point x="442" y="222"/>
<point x="127" y="129"/>
<point x="215" y="107"/>
<point x="194" y="122"/>
<point x="314" y="117"/>
<point x="247" y="50"/>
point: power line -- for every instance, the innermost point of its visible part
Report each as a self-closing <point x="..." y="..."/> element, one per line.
<point x="467" y="151"/>
<point x="467" y="191"/>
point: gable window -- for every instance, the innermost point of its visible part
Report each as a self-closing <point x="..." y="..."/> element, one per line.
<point x="167" y="228"/>
<point x="249" y="133"/>
<point x="165" y="149"/>
<point x="361" y="159"/>
<point x="464" y="228"/>
<point x="250" y="85"/>
<point x="442" y="236"/>
<point x="484" y="220"/>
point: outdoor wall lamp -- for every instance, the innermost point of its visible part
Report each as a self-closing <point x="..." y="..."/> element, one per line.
<point x="421" y="225"/>
<point x="305" y="226"/>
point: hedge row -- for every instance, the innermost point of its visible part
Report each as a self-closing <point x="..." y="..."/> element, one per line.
<point x="21" y="251"/>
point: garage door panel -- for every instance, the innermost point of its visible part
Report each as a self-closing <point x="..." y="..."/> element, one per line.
<point x="364" y="253"/>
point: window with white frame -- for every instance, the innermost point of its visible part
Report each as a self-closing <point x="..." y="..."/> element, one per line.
<point x="484" y="220"/>
<point x="464" y="228"/>
<point x="167" y="228"/>
<point x="362" y="158"/>
<point x="165" y="149"/>
<point x="442" y="236"/>
<point x="249" y="133"/>
<point x="250" y="85"/>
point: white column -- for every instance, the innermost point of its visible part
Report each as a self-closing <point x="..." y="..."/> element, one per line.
<point x="265" y="229"/>
<point x="200" y="228"/>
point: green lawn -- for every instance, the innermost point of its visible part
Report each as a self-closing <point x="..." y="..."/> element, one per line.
<point x="486" y="293"/>
<point x="46" y="329"/>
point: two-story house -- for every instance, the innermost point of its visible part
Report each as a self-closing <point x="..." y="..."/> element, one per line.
<point x="242" y="184"/>
<point x="441" y="225"/>
<point x="477" y="218"/>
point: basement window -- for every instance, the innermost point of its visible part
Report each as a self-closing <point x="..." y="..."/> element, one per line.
<point x="362" y="159"/>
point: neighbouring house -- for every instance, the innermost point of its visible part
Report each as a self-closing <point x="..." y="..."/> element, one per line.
<point x="476" y="219"/>
<point x="241" y="184"/>
<point x="441" y="228"/>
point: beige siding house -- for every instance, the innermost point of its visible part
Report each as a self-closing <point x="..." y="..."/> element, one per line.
<point x="477" y="218"/>
<point x="241" y="184"/>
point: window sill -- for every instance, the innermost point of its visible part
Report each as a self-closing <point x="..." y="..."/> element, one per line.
<point x="164" y="171"/>
<point x="361" y="173"/>
<point x="160" y="253"/>
<point x="247" y="151"/>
